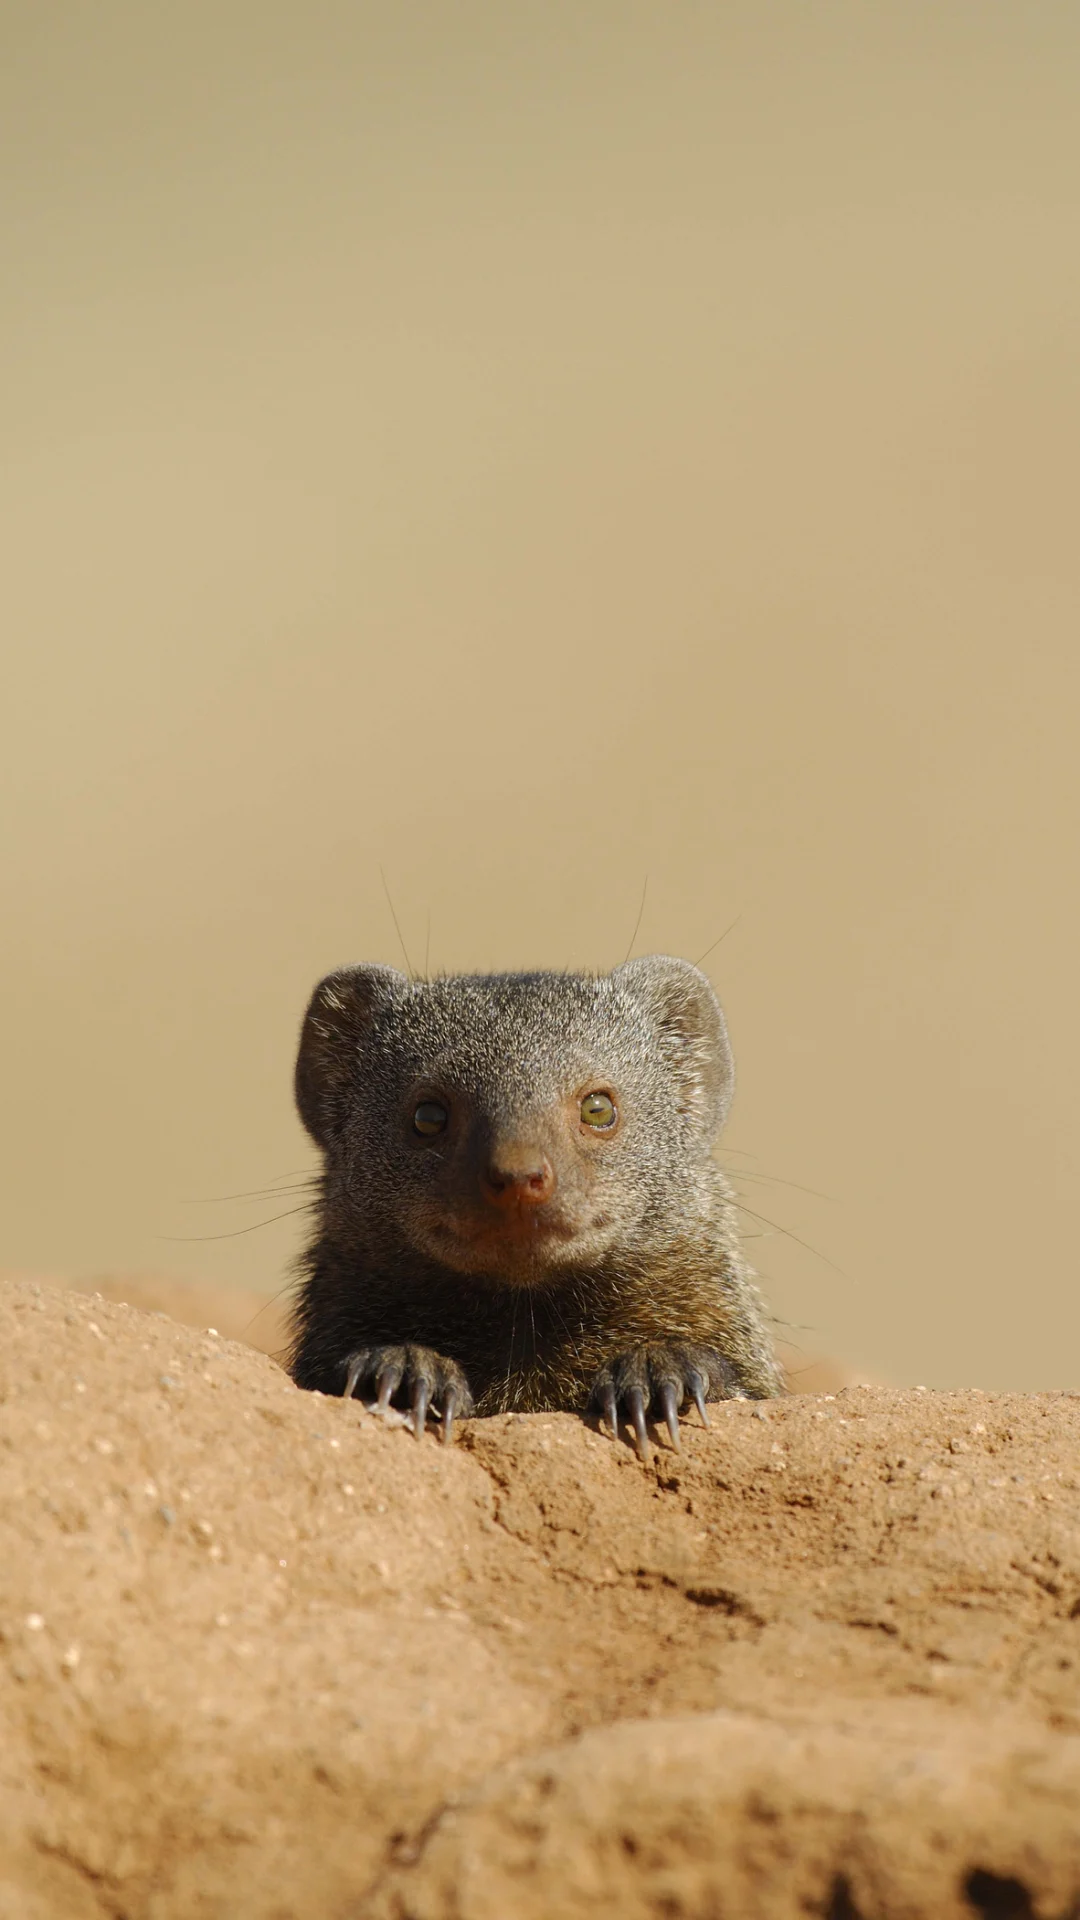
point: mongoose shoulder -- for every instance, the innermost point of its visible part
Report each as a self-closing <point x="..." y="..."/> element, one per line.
<point x="519" y="1208"/>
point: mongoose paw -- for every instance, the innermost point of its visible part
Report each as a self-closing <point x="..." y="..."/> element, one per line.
<point x="657" y="1383"/>
<point x="413" y="1377"/>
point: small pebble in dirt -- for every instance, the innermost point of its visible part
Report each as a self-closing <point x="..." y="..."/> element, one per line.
<point x="390" y="1416"/>
<point x="35" y="1622"/>
<point x="69" y="1659"/>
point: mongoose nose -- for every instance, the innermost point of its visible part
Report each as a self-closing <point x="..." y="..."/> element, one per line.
<point x="521" y="1177"/>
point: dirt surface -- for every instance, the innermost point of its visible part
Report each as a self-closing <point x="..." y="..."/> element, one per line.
<point x="261" y="1655"/>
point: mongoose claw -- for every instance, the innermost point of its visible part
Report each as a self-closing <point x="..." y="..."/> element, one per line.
<point x="668" y="1403"/>
<point x="388" y="1383"/>
<point x="420" y="1399"/>
<point x="657" y="1383"/>
<point x="449" y="1409"/>
<point x="635" y="1404"/>
<point x="414" y="1378"/>
<point x="604" y="1403"/>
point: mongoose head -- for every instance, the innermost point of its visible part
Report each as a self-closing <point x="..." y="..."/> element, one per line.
<point x="512" y="1126"/>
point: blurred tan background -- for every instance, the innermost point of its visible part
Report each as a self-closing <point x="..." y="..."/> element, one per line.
<point x="532" y="448"/>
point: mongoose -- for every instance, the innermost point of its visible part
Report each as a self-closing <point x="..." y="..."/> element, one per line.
<point x="519" y="1208"/>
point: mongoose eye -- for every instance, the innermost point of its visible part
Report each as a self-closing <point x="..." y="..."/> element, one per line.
<point x="430" y="1117"/>
<point x="598" y="1110"/>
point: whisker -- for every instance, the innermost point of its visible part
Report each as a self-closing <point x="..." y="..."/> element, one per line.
<point x="255" y="1193"/>
<point x="394" y="918"/>
<point x="723" y="937"/>
<point x="267" y="1304"/>
<point x="180" y="1239"/>
<point x="777" y="1228"/>
<point x="776" y="1180"/>
<point x="637" y="922"/>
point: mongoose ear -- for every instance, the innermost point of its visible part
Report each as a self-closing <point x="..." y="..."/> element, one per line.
<point x="692" y="1032"/>
<point x="339" y="1013"/>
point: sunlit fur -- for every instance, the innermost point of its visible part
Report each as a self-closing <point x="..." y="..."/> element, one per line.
<point x="636" y="1246"/>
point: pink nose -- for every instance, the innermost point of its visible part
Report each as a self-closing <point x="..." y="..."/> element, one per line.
<point x="524" y="1178"/>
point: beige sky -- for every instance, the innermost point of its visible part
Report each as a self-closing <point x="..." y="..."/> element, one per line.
<point x="528" y="449"/>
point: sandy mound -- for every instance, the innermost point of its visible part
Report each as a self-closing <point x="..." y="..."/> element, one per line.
<point x="261" y="1656"/>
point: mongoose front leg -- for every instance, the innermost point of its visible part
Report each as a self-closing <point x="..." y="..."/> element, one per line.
<point x="657" y="1383"/>
<point x="415" y="1376"/>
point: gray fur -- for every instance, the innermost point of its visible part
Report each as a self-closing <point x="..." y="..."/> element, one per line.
<point x="633" y="1258"/>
